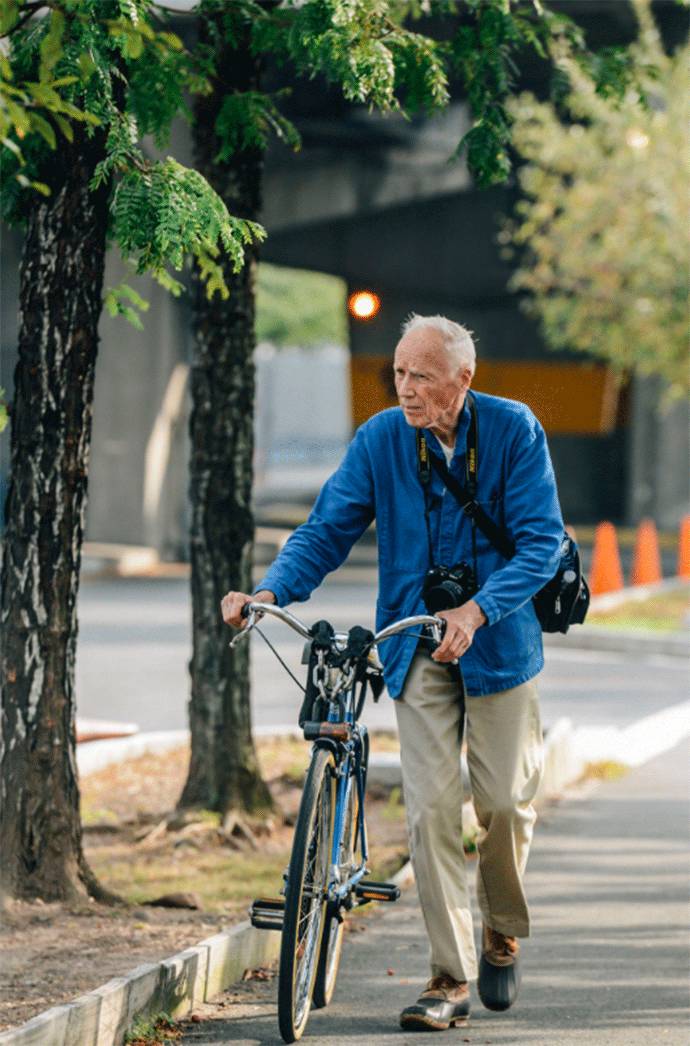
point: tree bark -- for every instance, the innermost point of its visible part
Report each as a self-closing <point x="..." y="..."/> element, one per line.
<point x="61" y="284"/>
<point x="223" y="773"/>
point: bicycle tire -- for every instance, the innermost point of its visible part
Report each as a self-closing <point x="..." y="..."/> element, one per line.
<point x="334" y="923"/>
<point x="334" y="927"/>
<point x="305" y="906"/>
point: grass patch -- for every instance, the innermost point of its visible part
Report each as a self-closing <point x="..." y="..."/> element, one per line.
<point x="666" y="612"/>
<point x="153" y="1031"/>
<point x="283" y="757"/>
<point x="221" y="881"/>
<point x="394" y="809"/>
<point x="141" y="855"/>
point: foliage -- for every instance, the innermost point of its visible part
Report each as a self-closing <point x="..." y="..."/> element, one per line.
<point x="371" y="52"/>
<point x="153" y="1030"/>
<point x="602" y="225"/>
<point x="38" y="106"/>
<point x="107" y="64"/>
<point x="294" y="307"/>
<point x="3" y="410"/>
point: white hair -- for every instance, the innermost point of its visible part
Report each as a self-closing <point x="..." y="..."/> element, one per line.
<point x="457" y="340"/>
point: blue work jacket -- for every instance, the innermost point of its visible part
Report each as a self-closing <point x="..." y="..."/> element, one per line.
<point x="378" y="479"/>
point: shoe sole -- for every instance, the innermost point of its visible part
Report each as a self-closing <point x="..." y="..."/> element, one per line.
<point x="418" y="1022"/>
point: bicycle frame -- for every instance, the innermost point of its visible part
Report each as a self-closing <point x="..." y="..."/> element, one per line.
<point x="336" y="889"/>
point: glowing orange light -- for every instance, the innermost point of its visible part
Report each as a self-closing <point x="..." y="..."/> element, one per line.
<point x="364" y="304"/>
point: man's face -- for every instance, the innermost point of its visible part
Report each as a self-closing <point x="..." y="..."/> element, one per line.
<point x="431" y="394"/>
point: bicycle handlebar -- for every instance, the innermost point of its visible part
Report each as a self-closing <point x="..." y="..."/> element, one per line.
<point x="254" y="611"/>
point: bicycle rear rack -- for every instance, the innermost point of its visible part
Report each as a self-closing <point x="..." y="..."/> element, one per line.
<point x="266" y="913"/>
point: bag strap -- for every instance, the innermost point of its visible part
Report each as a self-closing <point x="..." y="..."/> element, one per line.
<point x="496" y="535"/>
<point x="465" y="496"/>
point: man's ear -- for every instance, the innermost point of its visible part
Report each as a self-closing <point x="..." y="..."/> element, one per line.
<point x="465" y="378"/>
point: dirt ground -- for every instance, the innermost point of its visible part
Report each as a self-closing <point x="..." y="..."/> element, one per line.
<point x="54" y="952"/>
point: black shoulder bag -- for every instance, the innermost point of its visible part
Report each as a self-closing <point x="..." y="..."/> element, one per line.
<point x="564" y="600"/>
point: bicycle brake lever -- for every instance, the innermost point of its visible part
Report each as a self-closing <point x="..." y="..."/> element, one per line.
<point x="437" y="630"/>
<point x="251" y="621"/>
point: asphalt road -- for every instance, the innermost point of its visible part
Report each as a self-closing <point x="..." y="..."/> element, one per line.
<point x="606" y="964"/>
<point x="134" y="647"/>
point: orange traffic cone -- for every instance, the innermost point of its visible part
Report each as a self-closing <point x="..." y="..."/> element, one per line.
<point x="684" y="549"/>
<point x="646" y="565"/>
<point x="606" y="574"/>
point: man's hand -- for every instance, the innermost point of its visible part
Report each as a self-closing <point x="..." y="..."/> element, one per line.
<point x="461" y="625"/>
<point x="232" y="603"/>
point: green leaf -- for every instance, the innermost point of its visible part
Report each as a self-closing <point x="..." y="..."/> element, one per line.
<point x="168" y="282"/>
<point x="125" y="291"/>
<point x="132" y="317"/>
<point x="64" y="81"/>
<point x="115" y="299"/>
<point x="9" y="12"/>
<point x="8" y="143"/>
<point x="41" y="125"/>
<point x="51" y="45"/>
<point x="42" y="188"/>
<point x="65" y="126"/>
<point x="172" y="40"/>
<point x="87" y="66"/>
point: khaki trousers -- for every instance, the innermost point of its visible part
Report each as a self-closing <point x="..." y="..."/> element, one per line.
<point x="504" y="756"/>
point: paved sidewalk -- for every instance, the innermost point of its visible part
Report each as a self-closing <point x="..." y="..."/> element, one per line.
<point x="607" y="962"/>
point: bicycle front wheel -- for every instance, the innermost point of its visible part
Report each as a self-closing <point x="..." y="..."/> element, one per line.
<point x="334" y="924"/>
<point x="305" y="896"/>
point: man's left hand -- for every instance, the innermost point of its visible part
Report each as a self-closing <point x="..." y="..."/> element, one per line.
<point x="461" y="625"/>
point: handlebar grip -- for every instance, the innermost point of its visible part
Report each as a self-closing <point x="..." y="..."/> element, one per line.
<point x="244" y="612"/>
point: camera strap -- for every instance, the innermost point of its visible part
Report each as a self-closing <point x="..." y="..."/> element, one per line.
<point x="424" y="471"/>
<point x="465" y="496"/>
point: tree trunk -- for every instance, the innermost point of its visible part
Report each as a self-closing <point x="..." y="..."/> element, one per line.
<point x="61" y="284"/>
<point x="223" y="772"/>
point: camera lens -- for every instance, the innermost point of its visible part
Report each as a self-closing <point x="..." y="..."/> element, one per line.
<point x="446" y="596"/>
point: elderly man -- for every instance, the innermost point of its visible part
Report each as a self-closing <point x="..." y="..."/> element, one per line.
<point x="420" y="525"/>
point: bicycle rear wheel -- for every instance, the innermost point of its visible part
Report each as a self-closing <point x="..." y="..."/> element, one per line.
<point x="305" y="904"/>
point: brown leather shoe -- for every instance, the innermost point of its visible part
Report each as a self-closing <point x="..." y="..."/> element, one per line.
<point x="444" y="1002"/>
<point x="499" y="970"/>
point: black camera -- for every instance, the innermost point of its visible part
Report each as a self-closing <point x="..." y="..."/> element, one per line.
<point x="447" y="589"/>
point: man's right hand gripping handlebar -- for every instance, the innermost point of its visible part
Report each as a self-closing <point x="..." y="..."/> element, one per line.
<point x="233" y="603"/>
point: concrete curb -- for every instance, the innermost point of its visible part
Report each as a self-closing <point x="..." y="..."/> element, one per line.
<point x="97" y="755"/>
<point x="637" y="641"/>
<point x="636" y="593"/>
<point x="175" y="986"/>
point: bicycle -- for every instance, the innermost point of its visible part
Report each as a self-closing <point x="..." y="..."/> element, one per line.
<point x="326" y="875"/>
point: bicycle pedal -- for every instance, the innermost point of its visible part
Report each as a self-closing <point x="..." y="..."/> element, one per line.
<point x="266" y="913"/>
<point x="370" y="891"/>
